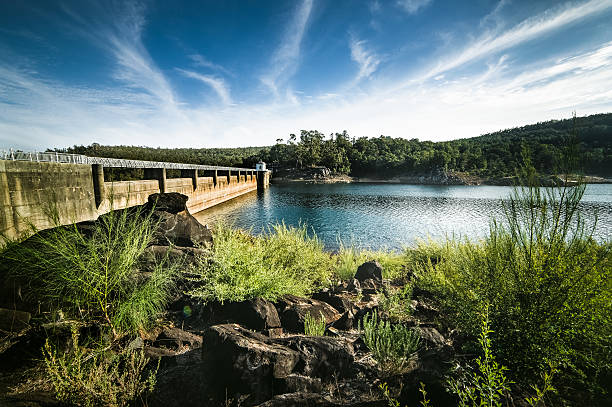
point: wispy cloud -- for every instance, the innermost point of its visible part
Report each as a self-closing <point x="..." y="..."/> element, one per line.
<point x="217" y="84"/>
<point x="525" y="31"/>
<point x="201" y="61"/>
<point x="413" y="6"/>
<point x="285" y="59"/>
<point x="367" y="60"/>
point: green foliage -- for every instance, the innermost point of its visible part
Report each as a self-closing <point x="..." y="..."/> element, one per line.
<point x="395" y="306"/>
<point x="283" y="260"/>
<point x="92" y="274"/>
<point x="488" y="386"/>
<point x="548" y="285"/>
<point x="348" y="259"/>
<point x="391" y="345"/>
<point x="314" y="326"/>
<point x="94" y="378"/>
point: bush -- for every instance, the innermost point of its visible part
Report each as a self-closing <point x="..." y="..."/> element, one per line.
<point x="348" y="259"/>
<point x="93" y="274"/>
<point x="391" y="345"/>
<point x="548" y="285"/>
<point x="314" y="326"/>
<point x="395" y="306"/>
<point x="96" y="378"/>
<point x="283" y="260"/>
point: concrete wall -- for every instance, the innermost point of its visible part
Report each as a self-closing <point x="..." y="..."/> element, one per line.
<point x="32" y="193"/>
<point x="28" y="190"/>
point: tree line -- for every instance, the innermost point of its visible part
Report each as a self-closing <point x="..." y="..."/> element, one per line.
<point x="491" y="155"/>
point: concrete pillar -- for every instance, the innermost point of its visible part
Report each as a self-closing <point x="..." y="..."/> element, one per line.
<point x="158" y="174"/>
<point x="263" y="180"/>
<point x="193" y="174"/>
<point x="229" y="176"/>
<point x="98" y="183"/>
<point x="239" y="174"/>
<point x="215" y="178"/>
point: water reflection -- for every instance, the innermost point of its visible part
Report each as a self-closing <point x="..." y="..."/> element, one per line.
<point x="386" y="215"/>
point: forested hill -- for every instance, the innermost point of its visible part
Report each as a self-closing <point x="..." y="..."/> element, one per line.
<point x="490" y="155"/>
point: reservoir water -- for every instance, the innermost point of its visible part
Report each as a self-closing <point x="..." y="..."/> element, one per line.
<point x="389" y="216"/>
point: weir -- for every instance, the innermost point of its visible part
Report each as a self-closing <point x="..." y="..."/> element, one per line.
<point x="41" y="190"/>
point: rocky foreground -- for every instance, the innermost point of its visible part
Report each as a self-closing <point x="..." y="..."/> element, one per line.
<point x="250" y="353"/>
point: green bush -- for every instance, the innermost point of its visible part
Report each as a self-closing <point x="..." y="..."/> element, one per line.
<point x="395" y="305"/>
<point x="548" y="285"/>
<point x="93" y="274"/>
<point x="348" y="259"/>
<point x="283" y="260"/>
<point x="391" y="345"/>
<point x="94" y="378"/>
<point x="314" y="326"/>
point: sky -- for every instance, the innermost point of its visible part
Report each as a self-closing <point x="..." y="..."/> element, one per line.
<point x="230" y="73"/>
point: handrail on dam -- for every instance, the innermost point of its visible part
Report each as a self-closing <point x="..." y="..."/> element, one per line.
<point x="66" y="158"/>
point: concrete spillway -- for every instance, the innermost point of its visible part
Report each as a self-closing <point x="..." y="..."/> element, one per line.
<point x="39" y="195"/>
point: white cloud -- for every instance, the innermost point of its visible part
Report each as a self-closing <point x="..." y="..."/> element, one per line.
<point x="201" y="61"/>
<point x="217" y="84"/>
<point x="286" y="57"/>
<point x="368" y="61"/>
<point x="413" y="6"/>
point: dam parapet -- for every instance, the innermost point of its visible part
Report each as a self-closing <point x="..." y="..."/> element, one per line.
<point x="43" y="190"/>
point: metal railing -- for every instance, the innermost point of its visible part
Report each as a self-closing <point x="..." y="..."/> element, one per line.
<point x="66" y="158"/>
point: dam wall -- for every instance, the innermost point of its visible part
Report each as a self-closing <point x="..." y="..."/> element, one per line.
<point x="40" y="195"/>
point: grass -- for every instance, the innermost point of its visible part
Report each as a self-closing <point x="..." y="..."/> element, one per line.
<point x="314" y="326"/>
<point x="283" y="260"/>
<point x="94" y="274"/>
<point x="348" y="259"/>
<point x="391" y="345"/>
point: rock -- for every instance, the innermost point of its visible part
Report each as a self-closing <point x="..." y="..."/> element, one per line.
<point x="354" y="286"/>
<point x="369" y="269"/>
<point x="246" y="362"/>
<point x="134" y="344"/>
<point x="258" y="314"/>
<point x="297" y="383"/>
<point x="321" y="356"/>
<point x="176" y="225"/>
<point x="338" y="301"/>
<point x="299" y="400"/>
<point x="371" y="286"/>
<point x="177" y="339"/>
<point x="13" y="320"/>
<point x="293" y="311"/>
<point x="345" y="322"/>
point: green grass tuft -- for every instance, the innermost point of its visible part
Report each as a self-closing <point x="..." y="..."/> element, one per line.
<point x="314" y="326"/>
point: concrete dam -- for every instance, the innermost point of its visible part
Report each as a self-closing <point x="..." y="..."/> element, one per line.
<point x="41" y="190"/>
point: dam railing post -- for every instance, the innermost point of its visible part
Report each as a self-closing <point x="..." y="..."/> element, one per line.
<point x="98" y="183"/>
<point x="239" y="175"/>
<point x="215" y="178"/>
<point x="229" y="177"/>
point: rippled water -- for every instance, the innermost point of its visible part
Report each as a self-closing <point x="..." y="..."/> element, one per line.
<point x="386" y="215"/>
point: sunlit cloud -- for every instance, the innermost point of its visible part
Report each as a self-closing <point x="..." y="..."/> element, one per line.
<point x="366" y="59"/>
<point x="413" y="6"/>
<point x="217" y="84"/>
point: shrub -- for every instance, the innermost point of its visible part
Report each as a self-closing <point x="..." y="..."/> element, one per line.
<point x="283" y="260"/>
<point x="314" y="326"/>
<point x="395" y="306"/>
<point x="548" y="285"/>
<point x="93" y="274"/>
<point x="348" y="259"/>
<point x="96" y="378"/>
<point x="391" y="345"/>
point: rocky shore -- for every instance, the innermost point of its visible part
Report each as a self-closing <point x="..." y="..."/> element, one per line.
<point x="248" y="353"/>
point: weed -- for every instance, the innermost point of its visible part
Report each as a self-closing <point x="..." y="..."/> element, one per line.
<point x="314" y="326"/>
<point x="391" y="345"/>
<point x="395" y="306"/>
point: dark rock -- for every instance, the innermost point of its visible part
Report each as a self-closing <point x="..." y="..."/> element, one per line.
<point x="293" y="311"/>
<point x="258" y="314"/>
<point x="321" y="356"/>
<point x="371" y="286"/>
<point x="155" y="353"/>
<point x="354" y="286"/>
<point x="246" y="362"/>
<point x="177" y="339"/>
<point x="338" y="301"/>
<point x="299" y="400"/>
<point x="13" y="320"/>
<point x="176" y="225"/>
<point x="345" y="322"/>
<point x="297" y="383"/>
<point x="369" y="269"/>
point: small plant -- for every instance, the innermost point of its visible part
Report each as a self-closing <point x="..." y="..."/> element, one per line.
<point x="396" y="305"/>
<point x="348" y="259"/>
<point x="314" y="326"/>
<point x="391" y="345"/>
<point x="487" y="386"/>
<point x="95" y="378"/>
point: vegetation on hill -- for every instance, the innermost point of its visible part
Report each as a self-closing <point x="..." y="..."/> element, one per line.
<point x="491" y="155"/>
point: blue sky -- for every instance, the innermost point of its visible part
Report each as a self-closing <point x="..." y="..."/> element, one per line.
<point x="238" y="73"/>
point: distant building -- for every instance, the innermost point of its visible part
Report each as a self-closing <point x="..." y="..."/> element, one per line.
<point x="260" y="166"/>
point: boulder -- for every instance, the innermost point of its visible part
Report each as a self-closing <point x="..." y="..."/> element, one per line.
<point x="338" y="301"/>
<point x="176" y="225"/>
<point x="293" y="311"/>
<point x="297" y="383"/>
<point x="177" y="339"/>
<point x="245" y="362"/>
<point x="345" y="322"/>
<point x="369" y="269"/>
<point x="257" y="314"/>
<point x="299" y="399"/>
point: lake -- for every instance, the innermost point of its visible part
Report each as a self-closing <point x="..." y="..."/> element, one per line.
<point x="388" y="216"/>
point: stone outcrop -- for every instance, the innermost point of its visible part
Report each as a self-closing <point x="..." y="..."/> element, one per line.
<point x="293" y="311"/>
